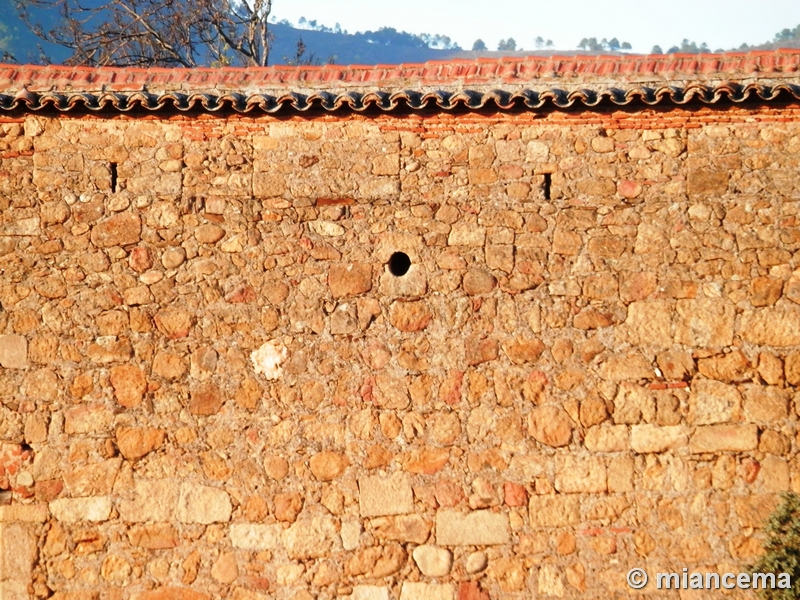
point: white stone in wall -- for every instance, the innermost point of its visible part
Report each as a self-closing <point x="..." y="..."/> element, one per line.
<point x="427" y="591"/>
<point x="21" y="227"/>
<point x="250" y="536"/>
<point x="550" y="583"/>
<point x="268" y="359"/>
<point x="153" y="500"/>
<point x="314" y="537"/>
<point x="203" y="504"/>
<point x="351" y="534"/>
<point x="652" y="438"/>
<point x="72" y="510"/>
<point x="370" y="592"/>
<point x="433" y="561"/>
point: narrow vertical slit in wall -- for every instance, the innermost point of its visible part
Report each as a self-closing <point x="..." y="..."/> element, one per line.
<point x="546" y="186"/>
<point x="114" y="178"/>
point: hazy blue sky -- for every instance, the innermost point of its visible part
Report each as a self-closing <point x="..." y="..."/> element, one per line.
<point x="643" y="23"/>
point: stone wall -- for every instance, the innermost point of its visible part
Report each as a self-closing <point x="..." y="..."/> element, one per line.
<point x="213" y="386"/>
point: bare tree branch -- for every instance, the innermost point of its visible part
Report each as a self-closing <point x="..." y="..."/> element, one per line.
<point x="168" y="33"/>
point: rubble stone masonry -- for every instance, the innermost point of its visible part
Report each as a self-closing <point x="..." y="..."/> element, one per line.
<point x="212" y="385"/>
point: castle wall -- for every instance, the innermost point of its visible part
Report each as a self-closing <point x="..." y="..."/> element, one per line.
<point x="213" y="386"/>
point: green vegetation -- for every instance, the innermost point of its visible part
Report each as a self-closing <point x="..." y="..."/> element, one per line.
<point x="508" y="45"/>
<point x="782" y="548"/>
<point x="612" y="45"/>
<point x="786" y="38"/>
<point x="788" y="34"/>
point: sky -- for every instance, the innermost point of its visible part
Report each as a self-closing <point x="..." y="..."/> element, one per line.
<point x="643" y="23"/>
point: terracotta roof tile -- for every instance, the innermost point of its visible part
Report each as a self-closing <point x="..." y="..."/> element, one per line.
<point x="534" y="82"/>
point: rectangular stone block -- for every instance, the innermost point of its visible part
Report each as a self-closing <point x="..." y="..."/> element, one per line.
<point x="268" y="185"/>
<point x="24" y="513"/>
<point x="478" y="528"/>
<point x="771" y="327"/>
<point x="652" y="438"/>
<point x="713" y="402"/>
<point x="621" y="367"/>
<point x="18" y="551"/>
<point x="370" y="592"/>
<point x="383" y="496"/>
<point x="722" y="438"/>
<point x="648" y="324"/>
<point x="29" y="226"/>
<point x="556" y="510"/>
<point x="93" y="480"/>
<point x="255" y="536"/>
<point x="466" y="234"/>
<point x="763" y="404"/>
<point x="705" y="322"/>
<point x="427" y="591"/>
<point x="702" y="182"/>
<point x="754" y="510"/>
<point x="13" y="352"/>
<point x="581" y="474"/>
<point x="153" y="500"/>
<point x="315" y="537"/>
<point x="601" y="438"/>
<point x="88" y="418"/>
<point x="71" y="510"/>
<point x="153" y="536"/>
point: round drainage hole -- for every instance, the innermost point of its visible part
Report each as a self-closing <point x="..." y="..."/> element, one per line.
<point x="399" y="264"/>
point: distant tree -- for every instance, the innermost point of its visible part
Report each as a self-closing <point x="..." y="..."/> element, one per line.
<point x="688" y="47"/>
<point x="656" y="50"/>
<point x="389" y="36"/>
<point x="300" y="58"/>
<point x="438" y="41"/>
<point x="479" y="46"/>
<point x="788" y="34"/>
<point x="549" y="43"/>
<point x="539" y="41"/>
<point x="594" y="45"/>
<point x="508" y="45"/>
<point x="302" y="21"/>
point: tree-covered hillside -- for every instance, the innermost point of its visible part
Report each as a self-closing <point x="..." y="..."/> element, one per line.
<point x="310" y="42"/>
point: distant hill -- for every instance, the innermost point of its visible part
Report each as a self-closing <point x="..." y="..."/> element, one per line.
<point x="386" y="46"/>
<point x="369" y="48"/>
<point x="323" y="45"/>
